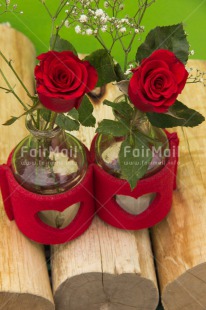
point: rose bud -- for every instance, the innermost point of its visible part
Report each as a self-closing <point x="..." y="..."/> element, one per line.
<point x="157" y="82"/>
<point x="63" y="79"/>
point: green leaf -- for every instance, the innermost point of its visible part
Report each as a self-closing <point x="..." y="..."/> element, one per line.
<point x="179" y="115"/>
<point x="73" y="113"/>
<point x="113" y="128"/>
<point x="85" y="113"/>
<point x="171" y="38"/>
<point x="104" y="65"/>
<point x="45" y="114"/>
<point x="119" y="73"/>
<point x="66" y="123"/>
<point x="134" y="158"/>
<point x="60" y="45"/>
<point x="10" y="121"/>
<point x="121" y="110"/>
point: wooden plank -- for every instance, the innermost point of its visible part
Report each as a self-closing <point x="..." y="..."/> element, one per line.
<point x="180" y="240"/>
<point x="105" y="268"/>
<point x="24" y="281"/>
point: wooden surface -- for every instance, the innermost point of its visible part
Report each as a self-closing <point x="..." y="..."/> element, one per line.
<point x="105" y="268"/>
<point x="24" y="281"/>
<point x="180" y="240"/>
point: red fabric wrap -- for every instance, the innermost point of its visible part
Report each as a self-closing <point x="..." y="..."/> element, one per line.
<point x="23" y="206"/>
<point x="162" y="183"/>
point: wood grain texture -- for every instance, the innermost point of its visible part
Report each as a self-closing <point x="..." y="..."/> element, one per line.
<point x="180" y="240"/>
<point x="105" y="268"/>
<point x="24" y="281"/>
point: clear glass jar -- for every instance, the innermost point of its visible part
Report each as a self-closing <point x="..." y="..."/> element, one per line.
<point x="107" y="148"/>
<point x="48" y="162"/>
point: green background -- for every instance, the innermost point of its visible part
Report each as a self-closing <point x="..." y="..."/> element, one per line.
<point x="36" y="24"/>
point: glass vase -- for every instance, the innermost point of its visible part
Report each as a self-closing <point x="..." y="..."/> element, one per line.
<point x="50" y="162"/>
<point x="107" y="148"/>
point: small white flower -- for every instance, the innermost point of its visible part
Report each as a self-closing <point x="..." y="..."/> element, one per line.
<point x="66" y="11"/>
<point x="123" y="29"/>
<point x="66" y="23"/>
<point x="99" y="12"/>
<point x="104" y="19"/>
<point x="104" y="28"/>
<point x="7" y="2"/>
<point x="136" y="30"/>
<point x="106" y="4"/>
<point x="21" y="12"/>
<point x="89" y="32"/>
<point x="67" y="3"/>
<point x="124" y="20"/>
<point x="192" y="52"/>
<point x="83" y="19"/>
<point x="121" y="7"/>
<point x="78" y="29"/>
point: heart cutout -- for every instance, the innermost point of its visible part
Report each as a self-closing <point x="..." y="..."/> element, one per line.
<point x="59" y="219"/>
<point x="135" y="206"/>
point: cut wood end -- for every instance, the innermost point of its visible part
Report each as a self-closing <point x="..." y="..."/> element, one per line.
<point x="14" y="301"/>
<point x="188" y="291"/>
<point x="106" y="291"/>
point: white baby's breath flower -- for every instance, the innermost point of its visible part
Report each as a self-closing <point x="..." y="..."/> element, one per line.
<point x="83" y="19"/>
<point x="66" y="23"/>
<point x="123" y="29"/>
<point x="99" y="12"/>
<point x="66" y="11"/>
<point x="104" y="19"/>
<point x="127" y="72"/>
<point x="104" y="28"/>
<point x="89" y="32"/>
<point x="136" y="30"/>
<point x="78" y="29"/>
<point x="192" y="52"/>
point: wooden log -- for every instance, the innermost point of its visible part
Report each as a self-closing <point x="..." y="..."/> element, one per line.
<point x="24" y="281"/>
<point x="180" y="240"/>
<point x="105" y="268"/>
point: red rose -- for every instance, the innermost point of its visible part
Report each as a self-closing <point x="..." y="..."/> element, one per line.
<point x="158" y="81"/>
<point x="63" y="79"/>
